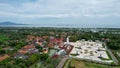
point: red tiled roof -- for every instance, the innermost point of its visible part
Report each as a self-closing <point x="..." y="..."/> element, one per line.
<point x="4" y="57"/>
<point x="28" y="46"/>
<point x="65" y="48"/>
<point x="56" y="40"/>
<point x="51" y="45"/>
<point x="55" y="56"/>
<point x="25" y="49"/>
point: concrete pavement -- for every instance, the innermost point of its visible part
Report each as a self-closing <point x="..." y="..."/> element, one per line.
<point x="112" y="55"/>
<point x="62" y="62"/>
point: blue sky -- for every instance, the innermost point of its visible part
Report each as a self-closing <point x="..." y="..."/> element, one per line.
<point x="95" y="12"/>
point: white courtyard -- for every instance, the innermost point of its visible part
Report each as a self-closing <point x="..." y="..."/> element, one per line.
<point x="89" y="50"/>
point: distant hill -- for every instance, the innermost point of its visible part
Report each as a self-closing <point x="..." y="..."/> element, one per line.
<point x="10" y="23"/>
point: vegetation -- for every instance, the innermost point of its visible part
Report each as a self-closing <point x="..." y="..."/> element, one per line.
<point x="12" y="39"/>
<point x="110" y="58"/>
<point x="73" y="63"/>
<point x="74" y="54"/>
<point x="116" y="52"/>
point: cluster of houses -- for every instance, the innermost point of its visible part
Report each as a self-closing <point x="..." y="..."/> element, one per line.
<point x="63" y="48"/>
<point x="30" y="49"/>
<point x="55" y="42"/>
<point x="80" y="49"/>
<point x="40" y="41"/>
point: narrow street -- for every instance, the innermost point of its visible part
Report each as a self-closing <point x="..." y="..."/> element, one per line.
<point x="112" y="55"/>
<point x="62" y="62"/>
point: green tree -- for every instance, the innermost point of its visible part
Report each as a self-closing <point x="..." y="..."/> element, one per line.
<point x="43" y="57"/>
<point x="33" y="58"/>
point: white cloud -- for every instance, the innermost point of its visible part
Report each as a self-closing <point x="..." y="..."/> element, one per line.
<point x="61" y="9"/>
<point x="6" y="14"/>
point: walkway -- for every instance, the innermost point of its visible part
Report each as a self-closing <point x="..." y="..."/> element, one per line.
<point x="112" y="55"/>
<point x="62" y="62"/>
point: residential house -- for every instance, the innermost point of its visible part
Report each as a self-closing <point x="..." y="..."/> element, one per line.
<point x="28" y="49"/>
<point x="3" y="57"/>
<point x="20" y="56"/>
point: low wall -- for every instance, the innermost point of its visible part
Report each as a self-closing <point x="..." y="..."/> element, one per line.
<point x="95" y="61"/>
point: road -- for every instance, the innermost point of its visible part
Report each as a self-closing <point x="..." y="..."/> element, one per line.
<point x="62" y="62"/>
<point x="118" y="54"/>
<point x="112" y="55"/>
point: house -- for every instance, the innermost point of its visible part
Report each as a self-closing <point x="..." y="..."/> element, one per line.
<point x="30" y="38"/>
<point x="67" y="48"/>
<point x="3" y="57"/>
<point x="57" y="41"/>
<point x="28" y="49"/>
<point x="61" y="52"/>
<point x="8" y="48"/>
<point x="45" y="37"/>
<point x="45" y="50"/>
<point x="55" y="56"/>
<point x="20" y="56"/>
<point x="39" y="43"/>
<point x="51" y="45"/>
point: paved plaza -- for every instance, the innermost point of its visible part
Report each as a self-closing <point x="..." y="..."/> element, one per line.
<point x="89" y="50"/>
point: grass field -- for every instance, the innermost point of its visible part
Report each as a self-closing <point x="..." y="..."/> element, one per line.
<point x="3" y="38"/>
<point x="73" y="63"/>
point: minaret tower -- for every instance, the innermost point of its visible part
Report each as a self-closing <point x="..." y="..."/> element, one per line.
<point x="67" y="40"/>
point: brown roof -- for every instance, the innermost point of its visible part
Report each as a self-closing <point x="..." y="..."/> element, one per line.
<point x="3" y="57"/>
<point x="51" y="45"/>
<point x="28" y="47"/>
<point x="30" y="38"/>
<point x="23" y="51"/>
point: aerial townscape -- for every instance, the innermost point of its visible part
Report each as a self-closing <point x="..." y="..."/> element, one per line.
<point x="46" y="47"/>
<point x="59" y="33"/>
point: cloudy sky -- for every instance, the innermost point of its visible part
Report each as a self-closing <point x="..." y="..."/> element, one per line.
<point x="95" y="12"/>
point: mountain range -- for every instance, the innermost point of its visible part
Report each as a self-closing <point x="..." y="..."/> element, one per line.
<point x="10" y="23"/>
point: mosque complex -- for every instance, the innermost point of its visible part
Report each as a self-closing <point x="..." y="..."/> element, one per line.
<point x="89" y="50"/>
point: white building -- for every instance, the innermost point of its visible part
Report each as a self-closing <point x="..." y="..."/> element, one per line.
<point x="89" y="50"/>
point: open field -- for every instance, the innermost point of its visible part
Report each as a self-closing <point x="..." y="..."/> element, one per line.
<point x="3" y="38"/>
<point x="73" y="63"/>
